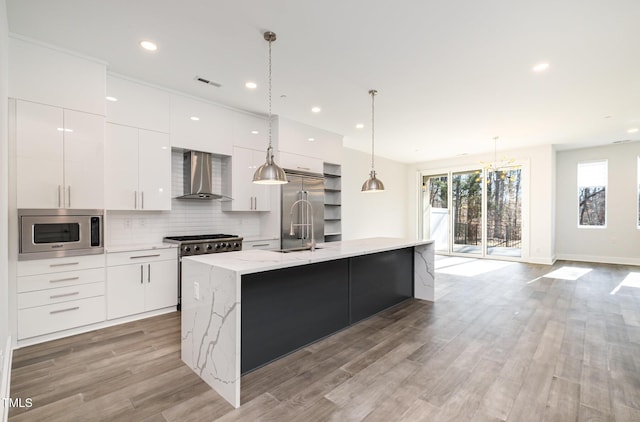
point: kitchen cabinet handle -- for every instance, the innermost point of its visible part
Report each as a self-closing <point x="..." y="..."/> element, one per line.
<point x="64" y="295"/>
<point x="59" y="201"/>
<point x="141" y="275"/>
<point x="75" y="308"/>
<point x="64" y="279"/>
<point x="64" y="264"/>
<point x="69" y="195"/>
<point x="255" y="203"/>
<point x="135" y="199"/>
<point x="304" y="168"/>
<point x="142" y="200"/>
<point x="144" y="256"/>
<point x="148" y="273"/>
<point x="257" y="245"/>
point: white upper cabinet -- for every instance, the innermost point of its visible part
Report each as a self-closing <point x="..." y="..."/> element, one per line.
<point x="247" y="196"/>
<point x="138" y="105"/>
<point x="200" y="126"/>
<point x="251" y="131"/>
<point x="60" y="157"/>
<point x="44" y="75"/>
<point x="301" y="139"/>
<point x="138" y="169"/>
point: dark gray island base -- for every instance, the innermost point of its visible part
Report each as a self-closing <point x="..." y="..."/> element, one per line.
<point x="286" y="309"/>
<point x="242" y="310"/>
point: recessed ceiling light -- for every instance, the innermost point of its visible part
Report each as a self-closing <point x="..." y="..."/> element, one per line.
<point x="112" y="99"/>
<point x="316" y="109"/>
<point x="194" y="118"/>
<point x="540" y="67"/>
<point x="251" y="85"/>
<point x="359" y="126"/>
<point x="148" y="45"/>
<point x="311" y="139"/>
<point x="632" y="130"/>
<point x="254" y="132"/>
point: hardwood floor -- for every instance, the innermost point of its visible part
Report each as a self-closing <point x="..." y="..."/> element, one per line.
<point x="505" y="344"/>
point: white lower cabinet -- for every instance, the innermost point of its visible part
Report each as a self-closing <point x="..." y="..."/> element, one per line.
<point x="141" y="281"/>
<point x="59" y="294"/>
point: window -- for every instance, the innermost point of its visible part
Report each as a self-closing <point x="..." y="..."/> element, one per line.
<point x="592" y="195"/>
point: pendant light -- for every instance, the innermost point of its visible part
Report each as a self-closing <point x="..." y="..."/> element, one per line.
<point x="372" y="184"/>
<point x="269" y="173"/>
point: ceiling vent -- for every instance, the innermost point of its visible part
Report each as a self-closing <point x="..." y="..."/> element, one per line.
<point x="207" y="81"/>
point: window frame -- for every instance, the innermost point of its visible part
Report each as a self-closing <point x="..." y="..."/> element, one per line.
<point x="606" y="194"/>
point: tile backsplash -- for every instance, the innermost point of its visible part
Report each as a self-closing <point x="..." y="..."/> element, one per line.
<point x="186" y="216"/>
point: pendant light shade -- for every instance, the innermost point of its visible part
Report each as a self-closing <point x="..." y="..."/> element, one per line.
<point x="372" y="184"/>
<point x="269" y="173"/>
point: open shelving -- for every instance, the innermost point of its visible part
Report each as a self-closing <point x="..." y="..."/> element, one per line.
<point x="332" y="202"/>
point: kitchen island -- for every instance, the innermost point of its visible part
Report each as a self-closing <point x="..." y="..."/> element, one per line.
<point x="241" y="310"/>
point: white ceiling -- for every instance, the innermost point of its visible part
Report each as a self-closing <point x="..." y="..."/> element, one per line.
<point x="451" y="75"/>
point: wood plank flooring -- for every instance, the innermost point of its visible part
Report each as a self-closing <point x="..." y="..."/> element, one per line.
<point x="499" y="345"/>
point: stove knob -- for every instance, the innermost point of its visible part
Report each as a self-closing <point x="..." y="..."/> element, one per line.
<point x="197" y="248"/>
<point x="236" y="245"/>
<point x="218" y="246"/>
<point x="209" y="247"/>
<point x="224" y="245"/>
<point x="187" y="249"/>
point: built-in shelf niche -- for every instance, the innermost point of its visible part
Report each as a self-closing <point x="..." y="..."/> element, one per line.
<point x="332" y="202"/>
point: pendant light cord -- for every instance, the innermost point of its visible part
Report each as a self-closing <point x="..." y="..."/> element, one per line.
<point x="270" y="41"/>
<point x="373" y="93"/>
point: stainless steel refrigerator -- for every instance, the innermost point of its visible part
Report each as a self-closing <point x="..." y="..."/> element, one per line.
<point x="298" y="217"/>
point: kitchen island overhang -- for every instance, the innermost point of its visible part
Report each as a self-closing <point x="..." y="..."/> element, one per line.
<point x="309" y="283"/>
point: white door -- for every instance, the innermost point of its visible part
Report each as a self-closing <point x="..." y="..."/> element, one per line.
<point x="161" y="284"/>
<point x="125" y="290"/>
<point x="83" y="160"/>
<point x="261" y="193"/>
<point x="121" y="171"/>
<point x="39" y="133"/>
<point x="154" y="173"/>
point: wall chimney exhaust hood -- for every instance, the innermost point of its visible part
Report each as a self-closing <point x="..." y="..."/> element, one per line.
<point x="198" y="177"/>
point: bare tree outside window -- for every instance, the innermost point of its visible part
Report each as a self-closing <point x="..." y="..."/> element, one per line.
<point x="592" y="193"/>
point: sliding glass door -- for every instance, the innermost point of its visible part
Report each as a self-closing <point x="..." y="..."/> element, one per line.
<point x="504" y="212"/>
<point x="466" y="198"/>
<point x="474" y="212"/>
<point x="435" y="209"/>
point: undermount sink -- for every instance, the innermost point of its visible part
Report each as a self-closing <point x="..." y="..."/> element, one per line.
<point x="300" y="249"/>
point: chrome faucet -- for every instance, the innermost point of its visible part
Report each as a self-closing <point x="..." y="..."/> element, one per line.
<point x="312" y="244"/>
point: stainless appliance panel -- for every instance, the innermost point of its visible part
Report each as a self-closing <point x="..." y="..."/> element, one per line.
<point x="53" y="233"/>
<point x="310" y="188"/>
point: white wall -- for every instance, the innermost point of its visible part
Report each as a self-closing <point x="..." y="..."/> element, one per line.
<point x="619" y="241"/>
<point x="4" y="175"/>
<point x="538" y="196"/>
<point x="373" y="214"/>
<point x="4" y="188"/>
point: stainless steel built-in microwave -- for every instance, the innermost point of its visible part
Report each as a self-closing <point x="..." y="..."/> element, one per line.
<point x="52" y="233"/>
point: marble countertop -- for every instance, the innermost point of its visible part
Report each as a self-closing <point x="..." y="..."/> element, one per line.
<point x="254" y="261"/>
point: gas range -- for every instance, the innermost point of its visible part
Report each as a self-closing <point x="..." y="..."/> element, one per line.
<point x="206" y="244"/>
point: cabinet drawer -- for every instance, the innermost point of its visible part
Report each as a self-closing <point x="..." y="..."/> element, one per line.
<point x="55" y="280"/>
<point x="59" y="295"/>
<point x="140" y="257"/>
<point x="54" y="265"/>
<point x="62" y="316"/>
<point x="260" y="244"/>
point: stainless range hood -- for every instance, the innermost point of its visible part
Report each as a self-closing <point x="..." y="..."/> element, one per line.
<point x="198" y="177"/>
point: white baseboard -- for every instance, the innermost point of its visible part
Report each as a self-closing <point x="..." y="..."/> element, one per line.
<point x="599" y="259"/>
<point x="541" y="260"/>
<point x="5" y="380"/>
